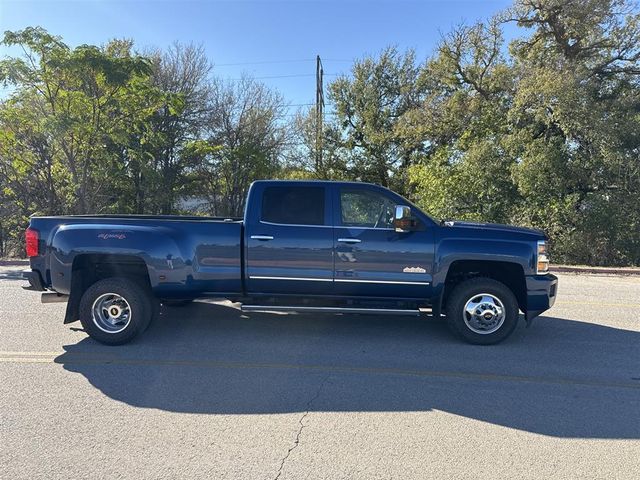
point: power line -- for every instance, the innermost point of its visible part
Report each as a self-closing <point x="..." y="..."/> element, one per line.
<point x="282" y="115"/>
<point x="261" y="62"/>
<point x="269" y="62"/>
<point x="293" y="75"/>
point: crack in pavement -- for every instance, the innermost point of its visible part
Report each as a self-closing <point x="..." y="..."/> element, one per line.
<point x="296" y="443"/>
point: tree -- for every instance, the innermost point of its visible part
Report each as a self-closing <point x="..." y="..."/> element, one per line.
<point x="465" y="172"/>
<point x="182" y="75"/>
<point x="576" y="124"/>
<point x="545" y="133"/>
<point x="369" y="106"/>
<point x="302" y="160"/>
<point x="246" y="137"/>
<point x="56" y="124"/>
<point x="61" y="113"/>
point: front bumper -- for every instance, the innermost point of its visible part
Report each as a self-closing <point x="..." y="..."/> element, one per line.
<point x="35" y="281"/>
<point x="541" y="294"/>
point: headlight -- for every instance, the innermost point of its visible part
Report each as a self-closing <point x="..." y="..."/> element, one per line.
<point x="542" y="260"/>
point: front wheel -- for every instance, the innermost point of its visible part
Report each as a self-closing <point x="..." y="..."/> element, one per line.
<point x="114" y="310"/>
<point x="482" y="311"/>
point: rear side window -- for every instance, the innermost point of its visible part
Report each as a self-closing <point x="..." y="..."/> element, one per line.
<point x="293" y="205"/>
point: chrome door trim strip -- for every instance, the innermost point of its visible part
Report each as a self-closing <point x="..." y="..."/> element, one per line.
<point x="305" y="279"/>
<point x="343" y="280"/>
<point x="392" y="282"/>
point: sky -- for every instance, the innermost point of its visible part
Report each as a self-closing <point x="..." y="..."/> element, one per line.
<point x="274" y="41"/>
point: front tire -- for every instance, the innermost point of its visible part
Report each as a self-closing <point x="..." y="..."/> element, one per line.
<point x="482" y="311"/>
<point x="115" y="310"/>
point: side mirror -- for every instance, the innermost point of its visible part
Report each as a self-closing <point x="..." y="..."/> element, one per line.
<point x="402" y="219"/>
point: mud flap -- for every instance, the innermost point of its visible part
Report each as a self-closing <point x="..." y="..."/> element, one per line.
<point x="530" y="315"/>
<point x="73" y="305"/>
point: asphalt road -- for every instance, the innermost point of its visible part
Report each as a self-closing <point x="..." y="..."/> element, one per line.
<point x="209" y="392"/>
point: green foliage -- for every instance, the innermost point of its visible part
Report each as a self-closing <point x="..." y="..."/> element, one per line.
<point x="369" y="105"/>
<point x="303" y="161"/>
<point x="543" y="132"/>
<point x="105" y="129"/>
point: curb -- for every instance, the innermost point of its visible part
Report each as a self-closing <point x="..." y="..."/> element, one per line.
<point x="629" y="271"/>
<point x="13" y="262"/>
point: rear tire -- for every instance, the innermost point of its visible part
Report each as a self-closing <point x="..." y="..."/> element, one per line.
<point x="115" y="310"/>
<point x="154" y="306"/>
<point x="482" y="311"/>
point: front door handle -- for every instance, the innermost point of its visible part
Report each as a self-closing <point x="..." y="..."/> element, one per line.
<point x="263" y="238"/>
<point x="349" y="240"/>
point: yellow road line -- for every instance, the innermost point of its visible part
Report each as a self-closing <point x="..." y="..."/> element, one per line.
<point x="91" y="359"/>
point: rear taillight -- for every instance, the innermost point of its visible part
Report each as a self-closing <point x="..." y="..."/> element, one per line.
<point x="31" y="241"/>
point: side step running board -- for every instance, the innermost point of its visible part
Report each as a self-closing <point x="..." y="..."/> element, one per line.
<point x="377" y="311"/>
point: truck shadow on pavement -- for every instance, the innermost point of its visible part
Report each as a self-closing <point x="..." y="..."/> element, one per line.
<point x="562" y="378"/>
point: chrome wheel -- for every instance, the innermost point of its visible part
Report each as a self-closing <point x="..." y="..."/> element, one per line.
<point x="111" y="313"/>
<point x="484" y="313"/>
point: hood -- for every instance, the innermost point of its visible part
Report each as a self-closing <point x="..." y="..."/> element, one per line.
<point x="495" y="227"/>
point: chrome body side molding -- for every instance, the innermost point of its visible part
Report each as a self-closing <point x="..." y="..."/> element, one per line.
<point x="345" y="280"/>
<point x="391" y="282"/>
<point x="302" y="279"/>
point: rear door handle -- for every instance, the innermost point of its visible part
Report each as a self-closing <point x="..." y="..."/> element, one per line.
<point x="349" y="240"/>
<point x="264" y="238"/>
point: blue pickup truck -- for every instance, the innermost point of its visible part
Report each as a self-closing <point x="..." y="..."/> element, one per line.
<point x="302" y="246"/>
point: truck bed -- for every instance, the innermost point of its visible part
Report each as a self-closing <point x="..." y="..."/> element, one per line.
<point x="185" y="255"/>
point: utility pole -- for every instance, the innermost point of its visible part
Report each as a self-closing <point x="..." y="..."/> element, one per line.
<point x="319" y="113"/>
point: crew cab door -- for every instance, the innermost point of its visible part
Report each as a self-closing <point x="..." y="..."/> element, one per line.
<point x="371" y="258"/>
<point x="289" y="239"/>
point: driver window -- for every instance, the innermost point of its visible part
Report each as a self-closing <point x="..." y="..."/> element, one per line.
<point x="363" y="208"/>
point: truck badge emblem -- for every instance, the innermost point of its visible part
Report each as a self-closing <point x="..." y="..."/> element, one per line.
<point x="413" y="270"/>
<point x="107" y="236"/>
